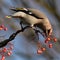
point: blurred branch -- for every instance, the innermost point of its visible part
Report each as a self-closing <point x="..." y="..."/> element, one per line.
<point x="12" y="37"/>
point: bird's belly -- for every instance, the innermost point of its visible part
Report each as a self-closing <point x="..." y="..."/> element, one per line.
<point x="24" y="21"/>
<point x="31" y="20"/>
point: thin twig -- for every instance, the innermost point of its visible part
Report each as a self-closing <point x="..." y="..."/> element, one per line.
<point x="12" y="37"/>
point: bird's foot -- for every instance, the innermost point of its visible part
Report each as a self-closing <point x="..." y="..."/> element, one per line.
<point x="21" y="25"/>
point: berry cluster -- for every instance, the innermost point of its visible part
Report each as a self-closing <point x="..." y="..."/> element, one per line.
<point x="48" y="41"/>
<point x="6" y="51"/>
<point x="40" y="49"/>
<point x="2" y="27"/>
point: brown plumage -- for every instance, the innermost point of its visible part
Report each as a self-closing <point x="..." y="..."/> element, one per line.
<point x="34" y="17"/>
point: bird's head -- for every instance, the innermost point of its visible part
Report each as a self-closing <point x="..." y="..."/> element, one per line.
<point x="47" y="28"/>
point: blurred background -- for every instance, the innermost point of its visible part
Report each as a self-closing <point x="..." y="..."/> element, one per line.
<point x="24" y="48"/>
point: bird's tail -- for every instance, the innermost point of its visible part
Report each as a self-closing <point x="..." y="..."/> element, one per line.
<point x="17" y="9"/>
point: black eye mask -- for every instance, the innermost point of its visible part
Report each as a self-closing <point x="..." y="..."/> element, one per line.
<point x="30" y="13"/>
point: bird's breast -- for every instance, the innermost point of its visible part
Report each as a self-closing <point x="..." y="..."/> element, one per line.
<point x="31" y="20"/>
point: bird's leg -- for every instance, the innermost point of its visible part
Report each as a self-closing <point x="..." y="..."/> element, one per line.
<point x="32" y="26"/>
<point x="37" y="31"/>
<point x="21" y="24"/>
<point x="46" y="33"/>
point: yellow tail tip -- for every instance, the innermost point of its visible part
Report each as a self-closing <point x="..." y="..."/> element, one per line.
<point x="8" y="16"/>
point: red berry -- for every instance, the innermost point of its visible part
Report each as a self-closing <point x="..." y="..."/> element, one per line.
<point x="55" y="40"/>
<point x="4" y="49"/>
<point x="46" y="41"/>
<point x="43" y="49"/>
<point x="2" y="26"/>
<point x="9" y="53"/>
<point x="5" y="29"/>
<point x="3" y="58"/>
<point x="39" y="51"/>
<point x="11" y="47"/>
<point x="50" y="45"/>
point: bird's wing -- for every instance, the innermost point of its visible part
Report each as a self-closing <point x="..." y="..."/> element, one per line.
<point x="34" y="12"/>
<point x="37" y="13"/>
<point x="17" y="9"/>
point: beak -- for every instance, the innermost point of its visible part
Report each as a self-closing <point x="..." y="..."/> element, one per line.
<point x="48" y="32"/>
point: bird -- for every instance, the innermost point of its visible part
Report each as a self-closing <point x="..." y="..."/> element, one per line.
<point x="34" y="18"/>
